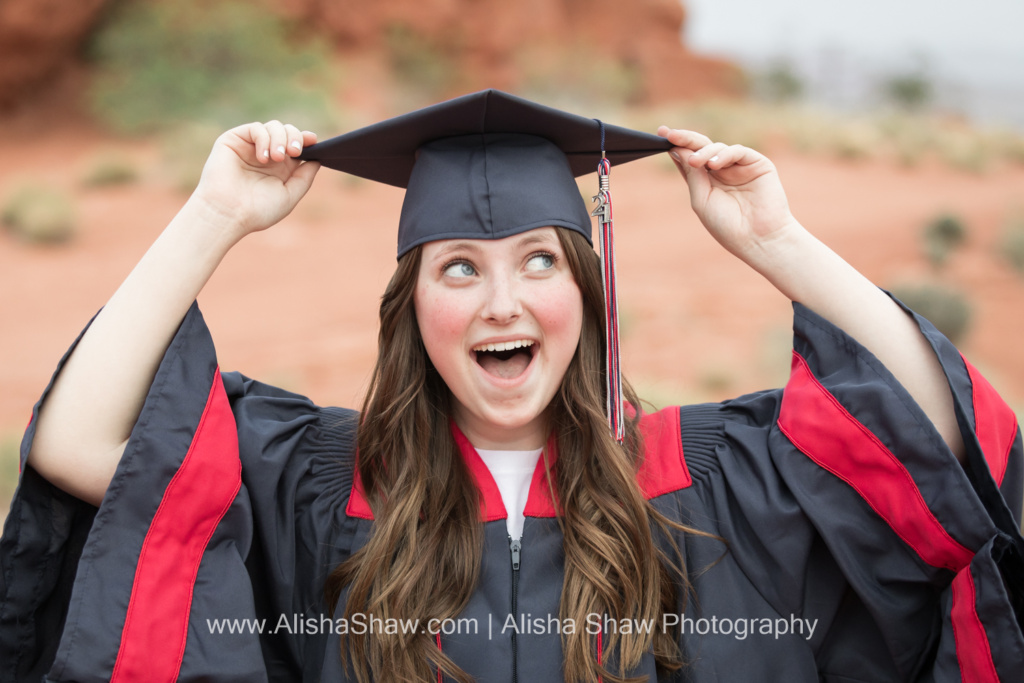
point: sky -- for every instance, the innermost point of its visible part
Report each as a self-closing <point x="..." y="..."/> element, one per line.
<point x="973" y="50"/>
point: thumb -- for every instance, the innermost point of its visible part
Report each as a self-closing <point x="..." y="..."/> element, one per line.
<point x="301" y="180"/>
<point x="697" y="180"/>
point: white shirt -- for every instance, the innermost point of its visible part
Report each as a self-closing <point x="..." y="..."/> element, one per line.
<point x="512" y="472"/>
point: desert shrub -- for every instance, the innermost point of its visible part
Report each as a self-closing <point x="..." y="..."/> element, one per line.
<point x="909" y="91"/>
<point x="942" y="235"/>
<point x="946" y="308"/>
<point x="1011" y="245"/>
<point x="579" y="77"/>
<point x="9" y="456"/>
<point x="780" y="82"/>
<point x="222" y="60"/>
<point x="422" y="67"/>
<point x="855" y="140"/>
<point x="110" y="169"/>
<point x="909" y="137"/>
<point x="657" y="394"/>
<point x="39" y="213"/>
<point x="967" y="150"/>
<point x="716" y="379"/>
<point x="1011" y="144"/>
<point x="185" y="149"/>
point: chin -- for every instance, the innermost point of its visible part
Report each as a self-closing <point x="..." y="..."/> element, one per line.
<point x="514" y="427"/>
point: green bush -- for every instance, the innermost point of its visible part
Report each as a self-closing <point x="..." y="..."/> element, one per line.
<point x="579" y="77"/>
<point x="941" y="236"/>
<point x="185" y="149"/>
<point x="780" y="82"/>
<point x="39" y="214"/>
<point x="110" y="169"/>
<point x="1012" y="243"/>
<point x="910" y="91"/>
<point x="421" y="66"/>
<point x="9" y="457"/>
<point x="221" y="60"/>
<point x="946" y="308"/>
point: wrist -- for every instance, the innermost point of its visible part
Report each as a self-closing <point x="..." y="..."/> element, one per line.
<point x="211" y="230"/>
<point x="779" y="250"/>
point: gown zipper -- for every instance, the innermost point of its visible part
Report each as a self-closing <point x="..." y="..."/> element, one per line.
<point x="516" y="546"/>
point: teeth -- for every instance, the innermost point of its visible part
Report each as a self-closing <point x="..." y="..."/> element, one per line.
<point x="504" y="346"/>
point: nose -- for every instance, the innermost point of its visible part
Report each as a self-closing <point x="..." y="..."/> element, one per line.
<point x="503" y="304"/>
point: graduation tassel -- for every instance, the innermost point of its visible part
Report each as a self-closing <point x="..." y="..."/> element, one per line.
<point x="613" y="373"/>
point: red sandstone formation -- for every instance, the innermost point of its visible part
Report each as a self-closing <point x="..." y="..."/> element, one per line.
<point x="498" y="43"/>
<point x="38" y="40"/>
<point x="492" y="42"/>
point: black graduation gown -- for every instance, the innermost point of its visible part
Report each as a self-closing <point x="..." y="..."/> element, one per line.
<point x="850" y="544"/>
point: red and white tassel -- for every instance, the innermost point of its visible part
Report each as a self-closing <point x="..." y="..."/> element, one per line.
<point x="613" y="373"/>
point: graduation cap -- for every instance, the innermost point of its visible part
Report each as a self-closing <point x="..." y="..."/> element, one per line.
<point x="490" y="165"/>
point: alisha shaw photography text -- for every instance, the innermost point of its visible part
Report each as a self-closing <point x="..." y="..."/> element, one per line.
<point x="739" y="628"/>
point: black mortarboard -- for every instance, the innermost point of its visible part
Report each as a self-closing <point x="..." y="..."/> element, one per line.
<point x="485" y="165"/>
<point x="490" y="165"/>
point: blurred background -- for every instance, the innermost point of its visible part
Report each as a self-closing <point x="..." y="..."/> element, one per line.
<point x="898" y="129"/>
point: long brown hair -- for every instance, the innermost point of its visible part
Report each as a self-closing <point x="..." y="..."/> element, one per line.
<point x="423" y="557"/>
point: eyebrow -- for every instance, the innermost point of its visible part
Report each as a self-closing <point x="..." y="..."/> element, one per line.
<point x="471" y="245"/>
<point x="456" y="246"/>
<point x="535" y="239"/>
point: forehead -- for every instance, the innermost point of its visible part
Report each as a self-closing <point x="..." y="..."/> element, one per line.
<point x="538" y="236"/>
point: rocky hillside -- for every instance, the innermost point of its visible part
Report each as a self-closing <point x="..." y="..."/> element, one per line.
<point x="488" y="42"/>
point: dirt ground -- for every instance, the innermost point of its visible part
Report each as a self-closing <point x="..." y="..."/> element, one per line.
<point x="296" y="305"/>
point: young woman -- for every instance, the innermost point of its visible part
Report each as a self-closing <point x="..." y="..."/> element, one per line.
<point x="492" y="528"/>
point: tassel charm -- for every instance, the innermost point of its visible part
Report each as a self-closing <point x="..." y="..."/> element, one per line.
<point x="613" y="374"/>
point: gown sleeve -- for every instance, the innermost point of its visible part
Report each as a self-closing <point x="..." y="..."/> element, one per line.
<point x="930" y="549"/>
<point x="211" y="543"/>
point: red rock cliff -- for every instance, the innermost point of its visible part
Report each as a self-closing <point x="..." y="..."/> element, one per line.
<point x="496" y="42"/>
<point x="493" y="42"/>
<point x="39" y="39"/>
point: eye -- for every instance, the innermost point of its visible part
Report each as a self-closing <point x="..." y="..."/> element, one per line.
<point x="459" y="269"/>
<point x="541" y="261"/>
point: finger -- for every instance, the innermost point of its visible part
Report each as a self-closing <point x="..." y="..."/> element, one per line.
<point x="697" y="181"/>
<point x="308" y="138"/>
<point x="294" y="140"/>
<point x="684" y="138"/>
<point x="734" y="155"/>
<point x="704" y="154"/>
<point x="278" y="140"/>
<point x="257" y="135"/>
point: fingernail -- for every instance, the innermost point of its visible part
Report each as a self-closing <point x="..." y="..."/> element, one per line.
<point x="714" y="158"/>
<point x="266" y="153"/>
<point x="296" y="144"/>
<point x="675" y="155"/>
<point x="280" y="150"/>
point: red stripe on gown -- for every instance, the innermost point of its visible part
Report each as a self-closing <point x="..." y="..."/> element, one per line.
<point x="196" y="499"/>
<point x="994" y="422"/>
<point x="828" y="434"/>
<point x="973" y="652"/>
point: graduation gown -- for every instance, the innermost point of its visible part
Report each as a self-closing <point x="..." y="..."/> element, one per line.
<point x="846" y="543"/>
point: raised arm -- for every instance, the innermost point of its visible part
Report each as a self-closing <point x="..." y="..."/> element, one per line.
<point x="250" y="181"/>
<point x="736" y="193"/>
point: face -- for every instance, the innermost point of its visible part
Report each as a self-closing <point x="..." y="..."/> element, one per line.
<point x="500" y="320"/>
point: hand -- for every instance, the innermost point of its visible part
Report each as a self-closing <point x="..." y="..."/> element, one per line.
<point x="734" y="190"/>
<point x="252" y="179"/>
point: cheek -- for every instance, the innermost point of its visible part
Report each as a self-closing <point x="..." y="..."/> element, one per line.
<point x="442" y="321"/>
<point x="560" y="313"/>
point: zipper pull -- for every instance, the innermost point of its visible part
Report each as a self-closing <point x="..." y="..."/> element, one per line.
<point x="515" y="545"/>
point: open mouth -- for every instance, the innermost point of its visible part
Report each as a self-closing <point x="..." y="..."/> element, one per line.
<point x="506" y="360"/>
